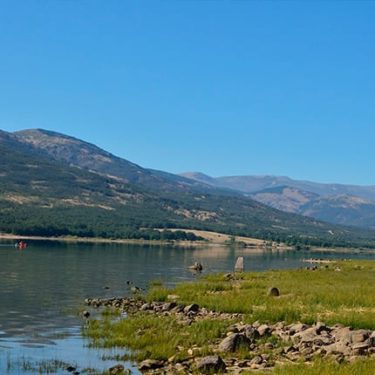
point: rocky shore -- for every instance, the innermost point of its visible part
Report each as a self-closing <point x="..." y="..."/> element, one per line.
<point x="246" y="346"/>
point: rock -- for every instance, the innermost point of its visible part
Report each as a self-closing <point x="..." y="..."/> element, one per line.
<point x="251" y="333"/>
<point x="263" y="330"/>
<point x="146" y="306"/>
<point x="320" y="327"/>
<point x="116" y="369"/>
<point x="150" y="364"/>
<point x="273" y="292"/>
<point x="306" y="336"/>
<point x="70" y="368"/>
<point x="239" y="266"/>
<point x="360" y="349"/>
<point x="210" y="364"/>
<point x="196" y="267"/>
<point x="86" y="314"/>
<point x="338" y="348"/>
<point x="257" y="360"/>
<point x="178" y="309"/>
<point x="169" y="306"/>
<point x="359" y="336"/>
<point x="191" y="308"/>
<point x="233" y="342"/>
<point x="296" y="328"/>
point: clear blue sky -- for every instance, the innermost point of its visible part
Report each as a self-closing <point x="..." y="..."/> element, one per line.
<point x="222" y="87"/>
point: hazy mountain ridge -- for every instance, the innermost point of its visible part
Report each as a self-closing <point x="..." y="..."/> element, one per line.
<point x="336" y="203"/>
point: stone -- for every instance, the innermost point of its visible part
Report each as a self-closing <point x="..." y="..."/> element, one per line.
<point x="210" y="364"/>
<point x="233" y="342"/>
<point x="239" y="266"/>
<point x="257" y="360"/>
<point x="146" y="306"/>
<point x="296" y="328"/>
<point x="116" y="369"/>
<point x="150" y="364"/>
<point x="321" y="327"/>
<point x="273" y="292"/>
<point x="86" y="314"/>
<point x="196" y="267"/>
<point x="359" y="336"/>
<point x="360" y="349"/>
<point x="251" y="333"/>
<point x="263" y="330"/>
<point x="191" y="308"/>
<point x="169" y="306"/>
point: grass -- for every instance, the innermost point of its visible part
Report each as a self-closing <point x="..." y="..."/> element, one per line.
<point x="324" y="367"/>
<point x="340" y="292"/>
<point x="344" y="296"/>
<point x="155" y="337"/>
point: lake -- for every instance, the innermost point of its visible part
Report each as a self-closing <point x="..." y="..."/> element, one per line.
<point x="43" y="288"/>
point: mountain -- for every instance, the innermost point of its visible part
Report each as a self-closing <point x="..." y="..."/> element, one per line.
<point x="53" y="184"/>
<point x="87" y="156"/>
<point x="335" y="203"/>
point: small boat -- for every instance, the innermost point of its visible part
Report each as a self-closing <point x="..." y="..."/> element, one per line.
<point x="21" y="245"/>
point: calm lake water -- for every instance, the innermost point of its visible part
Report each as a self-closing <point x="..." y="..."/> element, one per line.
<point x="43" y="288"/>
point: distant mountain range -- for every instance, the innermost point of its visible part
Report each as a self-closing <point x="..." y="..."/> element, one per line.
<point x="335" y="203"/>
<point x="54" y="184"/>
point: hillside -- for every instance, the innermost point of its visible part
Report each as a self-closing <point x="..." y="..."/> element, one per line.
<point x="72" y="194"/>
<point x="336" y="203"/>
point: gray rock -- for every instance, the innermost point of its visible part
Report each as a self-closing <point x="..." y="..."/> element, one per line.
<point x="251" y="333"/>
<point x="191" y="308"/>
<point x="150" y="364"/>
<point x="273" y="292"/>
<point x="257" y="360"/>
<point x="360" y="348"/>
<point x="296" y="328"/>
<point x="146" y="306"/>
<point x="169" y="306"/>
<point x="233" y="342"/>
<point x="264" y="330"/>
<point x="359" y="336"/>
<point x="116" y="369"/>
<point x="210" y="364"/>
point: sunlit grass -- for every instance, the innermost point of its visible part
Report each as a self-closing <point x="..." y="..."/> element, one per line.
<point x="327" y="295"/>
<point x="325" y="367"/>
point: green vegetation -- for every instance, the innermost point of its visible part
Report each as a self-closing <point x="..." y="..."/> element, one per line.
<point x="336" y="293"/>
<point x="340" y="292"/>
<point x="324" y="367"/>
<point x="155" y="337"/>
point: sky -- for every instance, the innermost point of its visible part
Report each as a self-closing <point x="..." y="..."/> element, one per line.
<point x="222" y="87"/>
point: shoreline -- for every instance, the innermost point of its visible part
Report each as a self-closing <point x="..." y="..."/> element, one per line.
<point x="192" y="328"/>
<point x="210" y="239"/>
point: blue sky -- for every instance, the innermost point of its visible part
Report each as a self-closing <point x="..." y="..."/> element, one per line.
<point x="222" y="87"/>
